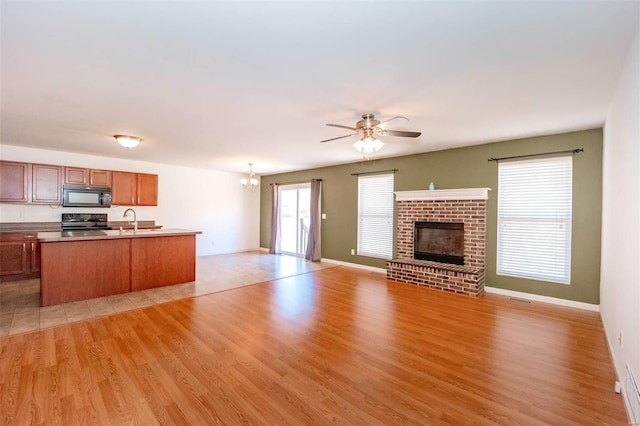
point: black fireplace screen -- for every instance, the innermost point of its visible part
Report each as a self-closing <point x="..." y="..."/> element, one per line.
<point x="439" y="242"/>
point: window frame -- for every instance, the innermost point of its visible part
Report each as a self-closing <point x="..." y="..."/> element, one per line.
<point x="385" y="213"/>
<point x="546" y="188"/>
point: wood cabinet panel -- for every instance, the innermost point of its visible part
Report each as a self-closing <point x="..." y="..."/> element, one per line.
<point x="82" y="176"/>
<point x="76" y="176"/>
<point x="99" y="177"/>
<point x="19" y="256"/>
<point x="14" y="182"/>
<point x="13" y="258"/>
<point x="34" y="262"/>
<point x="47" y="184"/>
<point x="80" y="270"/>
<point x="162" y="261"/>
<point x="147" y="190"/>
<point x="123" y="188"/>
<point x="134" y="189"/>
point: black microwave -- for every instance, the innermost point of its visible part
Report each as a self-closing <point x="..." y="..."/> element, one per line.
<point x="85" y="196"/>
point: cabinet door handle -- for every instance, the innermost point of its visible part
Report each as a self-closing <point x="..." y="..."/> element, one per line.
<point x="33" y="246"/>
<point x="24" y="247"/>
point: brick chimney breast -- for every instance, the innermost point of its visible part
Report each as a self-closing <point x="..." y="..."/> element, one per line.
<point x="467" y="206"/>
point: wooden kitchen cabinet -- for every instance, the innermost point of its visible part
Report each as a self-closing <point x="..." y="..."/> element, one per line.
<point x="82" y="176"/>
<point x="14" y="182"/>
<point x="30" y="183"/>
<point x="19" y="256"/>
<point x="81" y="270"/>
<point x="134" y="189"/>
<point x="99" y="177"/>
<point x="76" y="176"/>
<point x="14" y="259"/>
<point x="47" y="184"/>
<point x="147" y="190"/>
<point x="123" y="188"/>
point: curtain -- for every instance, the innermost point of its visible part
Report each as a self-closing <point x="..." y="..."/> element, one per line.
<point x="274" y="243"/>
<point x="314" y="252"/>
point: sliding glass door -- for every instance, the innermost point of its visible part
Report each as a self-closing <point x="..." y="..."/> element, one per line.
<point x="295" y="201"/>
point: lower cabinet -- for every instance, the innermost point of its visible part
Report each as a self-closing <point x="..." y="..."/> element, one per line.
<point x="84" y="269"/>
<point x="19" y="256"/>
<point x="81" y="270"/>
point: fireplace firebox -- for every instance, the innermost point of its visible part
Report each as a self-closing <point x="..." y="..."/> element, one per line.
<point x="439" y="242"/>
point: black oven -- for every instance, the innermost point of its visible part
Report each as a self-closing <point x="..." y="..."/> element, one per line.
<point x="85" y="196"/>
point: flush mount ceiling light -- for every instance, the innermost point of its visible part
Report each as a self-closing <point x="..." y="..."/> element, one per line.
<point x="250" y="182"/>
<point x="128" y="141"/>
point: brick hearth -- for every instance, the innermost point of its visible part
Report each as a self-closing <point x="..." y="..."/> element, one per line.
<point x="467" y="206"/>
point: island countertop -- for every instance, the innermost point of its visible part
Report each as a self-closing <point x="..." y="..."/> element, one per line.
<point x="61" y="236"/>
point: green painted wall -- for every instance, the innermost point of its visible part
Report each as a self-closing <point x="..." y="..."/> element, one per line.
<point x="466" y="168"/>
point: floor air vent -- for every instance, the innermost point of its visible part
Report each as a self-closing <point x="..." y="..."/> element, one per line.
<point x="633" y="396"/>
<point x="515" y="299"/>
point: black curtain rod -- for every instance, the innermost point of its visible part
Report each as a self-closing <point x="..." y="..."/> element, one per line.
<point x="374" y="173"/>
<point x="294" y="183"/>
<point x="572" y="151"/>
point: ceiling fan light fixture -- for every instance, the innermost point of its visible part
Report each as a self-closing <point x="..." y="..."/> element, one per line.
<point x="128" y="141"/>
<point x="368" y="145"/>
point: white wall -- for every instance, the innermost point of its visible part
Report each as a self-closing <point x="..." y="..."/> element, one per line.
<point x="620" y="268"/>
<point x="205" y="200"/>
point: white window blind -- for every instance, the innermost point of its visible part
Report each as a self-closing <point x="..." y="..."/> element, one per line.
<point x="375" y="215"/>
<point x="534" y="219"/>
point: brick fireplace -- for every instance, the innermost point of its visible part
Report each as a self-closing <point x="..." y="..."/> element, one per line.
<point x="466" y="206"/>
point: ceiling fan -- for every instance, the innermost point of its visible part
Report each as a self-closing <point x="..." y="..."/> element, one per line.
<point x="368" y="129"/>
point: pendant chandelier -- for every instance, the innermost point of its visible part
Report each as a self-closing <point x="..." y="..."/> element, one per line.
<point x="250" y="182"/>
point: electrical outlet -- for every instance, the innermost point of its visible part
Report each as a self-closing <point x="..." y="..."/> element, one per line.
<point x="353" y="252"/>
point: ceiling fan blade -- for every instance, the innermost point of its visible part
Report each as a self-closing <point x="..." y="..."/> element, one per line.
<point x="339" y="137"/>
<point x="342" y="127"/>
<point x="402" y="133"/>
<point x="392" y="119"/>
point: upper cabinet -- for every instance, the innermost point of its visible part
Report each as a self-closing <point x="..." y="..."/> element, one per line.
<point x="134" y="189"/>
<point x="147" y="190"/>
<point x="42" y="184"/>
<point x="123" y="188"/>
<point x="99" y="177"/>
<point x="93" y="177"/>
<point x="30" y="183"/>
<point x="14" y="182"/>
<point x="47" y="184"/>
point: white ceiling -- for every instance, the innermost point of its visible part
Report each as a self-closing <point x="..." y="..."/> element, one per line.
<point x="220" y="84"/>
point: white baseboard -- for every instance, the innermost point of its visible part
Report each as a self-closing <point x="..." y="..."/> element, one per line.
<point x="355" y="265"/>
<point x="545" y="299"/>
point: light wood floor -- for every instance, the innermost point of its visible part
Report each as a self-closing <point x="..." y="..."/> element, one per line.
<point x="330" y="346"/>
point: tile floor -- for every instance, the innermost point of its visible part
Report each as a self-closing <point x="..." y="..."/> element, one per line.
<point x="20" y="309"/>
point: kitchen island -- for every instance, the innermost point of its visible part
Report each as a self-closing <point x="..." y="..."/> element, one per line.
<point x="79" y="265"/>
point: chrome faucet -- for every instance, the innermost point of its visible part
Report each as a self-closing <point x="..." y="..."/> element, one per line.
<point x="135" y="220"/>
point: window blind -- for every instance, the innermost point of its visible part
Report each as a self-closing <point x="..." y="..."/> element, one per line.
<point x="534" y="218"/>
<point x="375" y="215"/>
